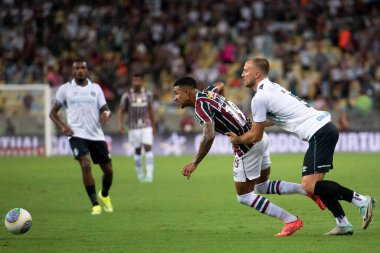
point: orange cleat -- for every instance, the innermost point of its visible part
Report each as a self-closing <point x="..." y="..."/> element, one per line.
<point x="317" y="200"/>
<point x="290" y="228"/>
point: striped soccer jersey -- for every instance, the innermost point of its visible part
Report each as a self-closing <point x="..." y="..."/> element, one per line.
<point x="227" y="117"/>
<point x="136" y="106"/>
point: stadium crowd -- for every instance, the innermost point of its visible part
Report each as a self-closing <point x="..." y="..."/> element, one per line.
<point x="327" y="52"/>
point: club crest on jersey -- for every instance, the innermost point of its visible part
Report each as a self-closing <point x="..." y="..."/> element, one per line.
<point x="93" y="93"/>
<point x="210" y="94"/>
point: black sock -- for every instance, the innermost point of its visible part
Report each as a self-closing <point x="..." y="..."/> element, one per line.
<point x="107" y="182"/>
<point x="92" y="194"/>
<point x="334" y="190"/>
<point x="333" y="205"/>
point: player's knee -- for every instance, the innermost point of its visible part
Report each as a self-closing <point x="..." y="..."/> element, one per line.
<point x="262" y="187"/>
<point x="308" y="186"/>
<point x="245" y="199"/>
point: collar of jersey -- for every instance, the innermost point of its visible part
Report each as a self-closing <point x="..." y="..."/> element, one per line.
<point x="263" y="81"/>
<point x="73" y="83"/>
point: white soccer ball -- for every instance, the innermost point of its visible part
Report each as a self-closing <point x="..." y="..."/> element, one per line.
<point x="18" y="221"/>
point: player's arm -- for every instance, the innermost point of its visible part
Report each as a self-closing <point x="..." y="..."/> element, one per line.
<point x="268" y="123"/>
<point x="220" y="87"/>
<point x="66" y="130"/>
<point x="105" y="114"/>
<point x="151" y="117"/>
<point x="204" y="147"/>
<point x="120" y="119"/>
<point x="255" y="134"/>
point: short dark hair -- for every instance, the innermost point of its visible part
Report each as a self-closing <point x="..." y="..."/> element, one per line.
<point x="186" y="81"/>
<point x="138" y="74"/>
<point x="262" y="64"/>
<point x="79" y="60"/>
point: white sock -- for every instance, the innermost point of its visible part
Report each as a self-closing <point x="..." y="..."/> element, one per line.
<point x="149" y="159"/>
<point x="358" y="199"/>
<point x="342" y="221"/>
<point x="138" y="167"/>
<point x="279" y="187"/>
<point x="263" y="205"/>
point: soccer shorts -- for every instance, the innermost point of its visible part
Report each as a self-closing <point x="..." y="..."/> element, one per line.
<point x="138" y="137"/>
<point x="319" y="155"/>
<point x="250" y="165"/>
<point x="98" y="150"/>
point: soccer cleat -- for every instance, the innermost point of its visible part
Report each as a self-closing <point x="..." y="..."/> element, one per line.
<point x="96" y="210"/>
<point x="366" y="211"/>
<point x="141" y="178"/>
<point x="106" y="201"/>
<point x="317" y="200"/>
<point x="290" y="228"/>
<point x="148" y="180"/>
<point x="347" y="230"/>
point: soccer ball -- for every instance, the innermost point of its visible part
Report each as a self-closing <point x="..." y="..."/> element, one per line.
<point x="18" y="221"/>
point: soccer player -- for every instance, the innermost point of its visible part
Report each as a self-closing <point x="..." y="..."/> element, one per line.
<point x="86" y="111"/>
<point x="273" y="104"/>
<point x="137" y="104"/>
<point x="252" y="161"/>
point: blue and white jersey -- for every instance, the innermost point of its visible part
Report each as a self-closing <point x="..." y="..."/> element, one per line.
<point x="82" y="106"/>
<point x="286" y="110"/>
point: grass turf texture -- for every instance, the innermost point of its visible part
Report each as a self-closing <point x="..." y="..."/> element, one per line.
<point x="174" y="214"/>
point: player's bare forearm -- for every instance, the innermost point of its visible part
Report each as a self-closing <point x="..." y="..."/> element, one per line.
<point x="56" y="119"/>
<point x="268" y="123"/>
<point x="255" y="134"/>
<point x="206" y="142"/>
<point x="105" y="114"/>
<point x="220" y="87"/>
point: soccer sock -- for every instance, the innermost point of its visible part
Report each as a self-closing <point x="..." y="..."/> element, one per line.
<point x="107" y="182"/>
<point x="279" y="187"/>
<point x="149" y="163"/>
<point x="334" y="190"/>
<point x="331" y="201"/>
<point x="342" y="221"/>
<point x="358" y="199"/>
<point x="138" y="167"/>
<point x="92" y="194"/>
<point x="263" y="205"/>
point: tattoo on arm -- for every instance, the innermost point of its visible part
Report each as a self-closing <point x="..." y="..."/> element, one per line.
<point x="206" y="142"/>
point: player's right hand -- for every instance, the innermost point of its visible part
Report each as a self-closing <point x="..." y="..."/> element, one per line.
<point x="67" y="131"/>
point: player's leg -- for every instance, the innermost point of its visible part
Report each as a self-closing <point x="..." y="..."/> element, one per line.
<point x="324" y="142"/>
<point x="147" y="140"/>
<point x="246" y="171"/>
<point x="81" y="153"/>
<point x="135" y="141"/>
<point x="100" y="155"/>
<point x="318" y="160"/>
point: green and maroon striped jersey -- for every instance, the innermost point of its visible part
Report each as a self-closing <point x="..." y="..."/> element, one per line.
<point x="227" y="117"/>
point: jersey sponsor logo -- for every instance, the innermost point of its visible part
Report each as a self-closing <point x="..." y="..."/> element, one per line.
<point x="304" y="168"/>
<point x="323" y="116"/>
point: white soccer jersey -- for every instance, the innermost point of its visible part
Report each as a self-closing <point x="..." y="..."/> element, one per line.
<point x="286" y="110"/>
<point x="82" y="106"/>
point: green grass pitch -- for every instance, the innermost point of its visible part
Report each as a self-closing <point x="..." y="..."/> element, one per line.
<point x="174" y="214"/>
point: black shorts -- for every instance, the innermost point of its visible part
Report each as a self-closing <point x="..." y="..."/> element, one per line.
<point x="98" y="149"/>
<point x="319" y="155"/>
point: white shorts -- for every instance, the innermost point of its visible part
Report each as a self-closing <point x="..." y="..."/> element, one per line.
<point x="250" y="165"/>
<point x="138" y="137"/>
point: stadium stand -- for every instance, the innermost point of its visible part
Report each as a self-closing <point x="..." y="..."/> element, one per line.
<point x="327" y="52"/>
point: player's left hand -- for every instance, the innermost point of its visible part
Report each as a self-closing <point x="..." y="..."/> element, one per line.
<point x="233" y="137"/>
<point x="188" y="169"/>
<point x="104" y="117"/>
